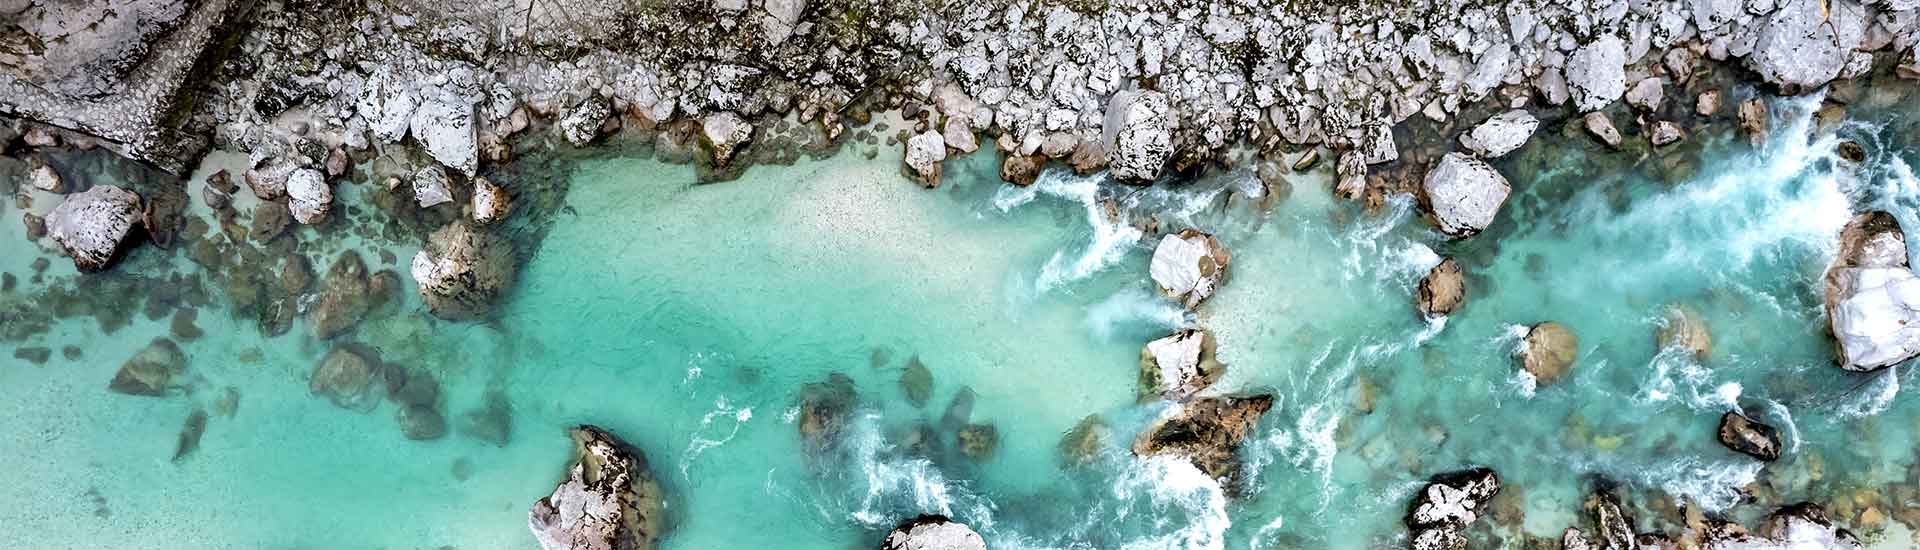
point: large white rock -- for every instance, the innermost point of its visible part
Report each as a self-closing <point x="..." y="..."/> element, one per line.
<point x="1806" y="43"/>
<point x="90" y="225"/>
<point x="1872" y="295"/>
<point x="932" y="533"/>
<point x="1138" y="132"/>
<point x="1464" y="194"/>
<point x="724" y="133"/>
<point x="308" y="196"/>
<point x="387" y="103"/>
<point x="1189" y="266"/>
<point x="431" y="186"/>
<point x="608" y="501"/>
<point x="924" y="154"/>
<point x="1597" y="74"/>
<point x="1180" y="365"/>
<point x="444" y="125"/>
<point x="1501" y="134"/>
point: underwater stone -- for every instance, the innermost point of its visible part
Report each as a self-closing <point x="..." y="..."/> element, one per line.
<point x="1613" y="529"/>
<point x="959" y="410"/>
<point x="165" y="213"/>
<point x="420" y="422"/>
<point x="1082" y="444"/>
<point x="91" y="225"/>
<point x="492" y="422"/>
<point x="977" y="441"/>
<point x="1205" y="432"/>
<point x="1549" y="352"/>
<point x="431" y="186"/>
<point x="1872" y="297"/>
<point x="270" y="219"/>
<point x="37" y="355"/>
<point x="1684" y="328"/>
<point x="462" y="271"/>
<point x="1443" y="289"/>
<point x="824" y="407"/>
<point x="183" y="326"/>
<point x="916" y="381"/>
<point x="1189" y="266"/>
<point x="608" y="501"/>
<point x="1664" y="132"/>
<point x="1138" y="134"/>
<point x="345" y="377"/>
<point x="1180" y="365"/>
<point x="343" y="298"/>
<point x="150" y="372"/>
<point x="1463" y="194"/>
<point x="36" y="225"/>
<point x="930" y="532"/>
<point x="1749" y="437"/>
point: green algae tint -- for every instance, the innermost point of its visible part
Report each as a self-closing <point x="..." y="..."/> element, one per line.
<point x="687" y="319"/>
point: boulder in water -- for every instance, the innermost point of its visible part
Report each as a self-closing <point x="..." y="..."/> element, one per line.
<point x="1443" y="289"/>
<point x="309" y="197"/>
<point x="1872" y="296"/>
<point x="462" y="271"/>
<point x="45" y="178"/>
<point x="91" y="225"/>
<point x="1206" y="432"/>
<point x="1754" y="120"/>
<point x="490" y="202"/>
<point x="1082" y="444"/>
<point x="431" y="186"/>
<point x="978" y="441"/>
<point x="1501" y="134"/>
<point x="1022" y="169"/>
<point x="420" y="422"/>
<point x="270" y="219"/>
<point x="1749" y="437"/>
<point x="150" y="372"/>
<point x="924" y="154"/>
<point x="1447" y="505"/>
<point x="1180" y="365"/>
<point x="1189" y="266"/>
<point x="1613" y="529"/>
<point x="1463" y="194"/>
<point x="583" y="122"/>
<point x="1683" y="328"/>
<point x="1549" y="351"/>
<point x="345" y="376"/>
<point x="932" y="533"/>
<point x="1664" y="132"/>
<point x="608" y="501"/>
<point x="343" y="297"/>
<point x="824" y="408"/>
<point x="916" y="381"/>
<point x="1138" y="134"/>
<point x="492" y="422"/>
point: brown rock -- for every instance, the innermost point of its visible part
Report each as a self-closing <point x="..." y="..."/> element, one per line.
<point x="1753" y="120"/>
<point x="1749" y="437"/>
<point x="1022" y="169"/>
<point x="345" y="376"/>
<point x="1206" y="432"/>
<point x="1684" y="328"/>
<point x="1443" y="289"/>
<point x="1550" y="351"/>
<point x="343" y="297"/>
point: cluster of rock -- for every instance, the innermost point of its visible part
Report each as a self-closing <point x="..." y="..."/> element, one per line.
<point x="609" y="500"/>
<point x="932" y="532"/>
<point x="1802" y="526"/>
<point x="1446" y="506"/>
<point x="354" y="377"/>
<point x="1189" y="266"/>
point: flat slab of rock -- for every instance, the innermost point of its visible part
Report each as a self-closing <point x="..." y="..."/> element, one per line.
<point x="1501" y="134"/>
<point x="1549" y="351"/>
<point x="932" y="532"/>
<point x="1464" y="194"/>
<point x="1749" y="437"/>
<point x="1872" y="296"/>
<point x="1189" y="266"/>
<point x="90" y="225"/>
<point x="1180" y="365"/>
<point x="1443" y="289"/>
<point x="150" y="372"/>
<point x="608" y="501"/>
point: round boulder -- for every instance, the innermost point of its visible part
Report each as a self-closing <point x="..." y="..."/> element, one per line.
<point x="345" y="376"/>
<point x="1549" y="352"/>
<point x="90" y="225"/>
<point x="1463" y="194"/>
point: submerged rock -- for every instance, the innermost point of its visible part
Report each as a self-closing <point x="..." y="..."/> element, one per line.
<point x="1205" y="432"/>
<point x="1549" y="352"/>
<point x="1449" y="503"/>
<point x="343" y="298"/>
<point x="932" y="533"/>
<point x="1180" y="365"/>
<point x="1613" y="529"/>
<point x="190" y="433"/>
<point x="1682" y="327"/>
<point x="91" y="225"/>
<point x="45" y="178"/>
<point x="345" y="376"/>
<point x="1443" y="289"/>
<point x="150" y="372"/>
<point x="1082" y="444"/>
<point x="1501" y="134"/>
<point x="916" y="381"/>
<point x="924" y="154"/>
<point x="492" y="422"/>
<point x="462" y="271"/>
<point x="1189" y="266"/>
<point x="270" y="219"/>
<point x="608" y="501"/>
<point x="1749" y="437"/>
<point x="977" y="441"/>
<point x="1138" y="134"/>
<point x="1463" y="194"/>
<point x="1872" y="297"/>
<point x="420" y="422"/>
<point x="824" y="410"/>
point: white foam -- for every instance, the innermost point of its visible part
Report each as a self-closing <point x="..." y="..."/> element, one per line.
<point x="722" y="410"/>
<point x="1169" y="485"/>
<point x="1873" y="399"/>
<point x="1135" y="309"/>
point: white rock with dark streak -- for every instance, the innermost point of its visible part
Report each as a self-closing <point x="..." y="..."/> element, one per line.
<point x="432" y="187"/>
<point x="1872" y="295"/>
<point x="725" y="133"/>
<point x="608" y="501"/>
<point x="1596" y="73"/>
<point x="387" y="103"/>
<point x="1464" y="194"/>
<point x="444" y="125"/>
<point x="582" y="123"/>
<point x="90" y="225"/>
<point x="1500" y="134"/>
<point x="1139" y="136"/>
<point x="932" y="533"/>
<point x="1189" y="266"/>
<point x="1806" y="43"/>
<point x="308" y="196"/>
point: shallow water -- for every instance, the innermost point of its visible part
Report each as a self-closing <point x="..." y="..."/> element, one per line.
<point x="686" y="318"/>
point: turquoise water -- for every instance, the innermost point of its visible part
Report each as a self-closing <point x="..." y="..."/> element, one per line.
<point x="686" y="318"/>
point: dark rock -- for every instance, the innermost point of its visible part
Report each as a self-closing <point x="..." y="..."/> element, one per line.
<point x="1443" y="289"/>
<point x="1852" y="151"/>
<point x="190" y="432"/>
<point x="345" y="376"/>
<point x="824" y="410"/>
<point x="36" y="225"/>
<point x="978" y="441"/>
<point x="37" y="355"/>
<point x="492" y="422"/>
<point x="72" y="353"/>
<point x="1082" y="444"/>
<point x="959" y="411"/>
<point x="165" y="213"/>
<point x="150" y="372"/>
<point x="222" y="182"/>
<point x="416" y="388"/>
<point x="183" y="325"/>
<point x="1206" y="432"/>
<point x="270" y="219"/>
<point x="931" y="532"/>
<point x="421" y="422"/>
<point x="342" y="301"/>
<point x="916" y="381"/>
<point x="1747" y="436"/>
<point x="608" y="501"/>
<point x="296" y="275"/>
